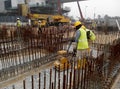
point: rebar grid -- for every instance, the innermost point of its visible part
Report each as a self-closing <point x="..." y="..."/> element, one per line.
<point x="98" y="73"/>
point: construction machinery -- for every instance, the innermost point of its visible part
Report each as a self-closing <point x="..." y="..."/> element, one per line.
<point x="80" y="11"/>
<point x="48" y="19"/>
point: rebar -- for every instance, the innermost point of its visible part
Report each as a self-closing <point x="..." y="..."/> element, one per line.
<point x="98" y="72"/>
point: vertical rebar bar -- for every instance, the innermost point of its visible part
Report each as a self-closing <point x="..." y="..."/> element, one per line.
<point x="32" y="77"/>
<point x="39" y="84"/>
<point x="44" y="80"/>
<point x="24" y="84"/>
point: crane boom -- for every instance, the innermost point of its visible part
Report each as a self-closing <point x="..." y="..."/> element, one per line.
<point x="59" y="7"/>
<point x="47" y="18"/>
<point x="26" y="1"/>
<point x="80" y="11"/>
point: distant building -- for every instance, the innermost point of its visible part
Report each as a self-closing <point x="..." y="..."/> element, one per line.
<point x="36" y="6"/>
<point x="9" y="10"/>
<point x="111" y="21"/>
<point x="108" y="23"/>
<point x="2" y="6"/>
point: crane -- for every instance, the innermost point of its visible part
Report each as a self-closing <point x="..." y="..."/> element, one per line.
<point x="81" y="15"/>
<point x="26" y="2"/>
<point x="47" y="18"/>
<point x="59" y="7"/>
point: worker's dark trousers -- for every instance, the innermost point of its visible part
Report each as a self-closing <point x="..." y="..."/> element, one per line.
<point x="40" y="30"/>
<point x="19" y="34"/>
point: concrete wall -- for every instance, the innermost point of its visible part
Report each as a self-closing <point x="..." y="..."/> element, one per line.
<point x="65" y="1"/>
<point x="34" y="2"/>
<point x="112" y="21"/>
<point x="14" y="3"/>
<point x="2" y="7"/>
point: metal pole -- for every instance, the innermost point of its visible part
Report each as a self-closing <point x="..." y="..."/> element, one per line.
<point x="80" y="11"/>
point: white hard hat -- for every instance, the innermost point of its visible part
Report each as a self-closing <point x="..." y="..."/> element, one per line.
<point x="39" y="21"/>
<point x="18" y="18"/>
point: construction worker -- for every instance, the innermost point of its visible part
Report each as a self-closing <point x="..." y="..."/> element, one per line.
<point x="18" y="23"/>
<point x="94" y="25"/>
<point x="29" y="22"/>
<point x="81" y="45"/>
<point x="39" y="26"/>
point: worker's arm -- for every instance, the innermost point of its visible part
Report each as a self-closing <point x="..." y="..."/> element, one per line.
<point x="77" y="36"/>
<point x="76" y="40"/>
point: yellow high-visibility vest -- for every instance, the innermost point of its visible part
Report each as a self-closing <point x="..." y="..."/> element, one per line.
<point x="18" y="23"/>
<point x="82" y="41"/>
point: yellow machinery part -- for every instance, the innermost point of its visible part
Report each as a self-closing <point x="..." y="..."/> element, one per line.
<point x="63" y="60"/>
<point x="62" y="64"/>
<point x="81" y="63"/>
<point x="61" y="52"/>
<point x="44" y="17"/>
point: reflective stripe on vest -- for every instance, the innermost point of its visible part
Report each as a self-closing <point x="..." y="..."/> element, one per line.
<point x="82" y="42"/>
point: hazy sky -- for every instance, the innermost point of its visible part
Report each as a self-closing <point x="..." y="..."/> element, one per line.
<point x="99" y="7"/>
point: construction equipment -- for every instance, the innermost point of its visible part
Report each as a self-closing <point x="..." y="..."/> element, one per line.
<point x="62" y="63"/>
<point x="82" y="19"/>
<point x="48" y="19"/>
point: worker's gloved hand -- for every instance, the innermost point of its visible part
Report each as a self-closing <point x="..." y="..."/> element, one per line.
<point x="74" y="50"/>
